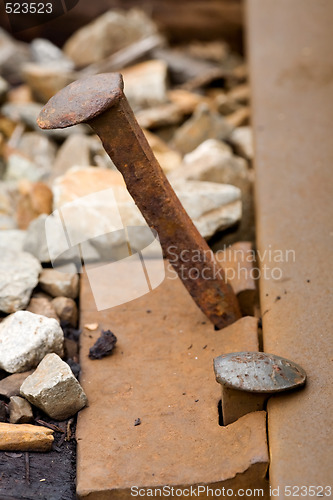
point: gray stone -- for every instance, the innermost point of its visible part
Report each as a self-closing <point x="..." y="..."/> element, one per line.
<point x="99" y="156"/>
<point x="32" y="159"/>
<point x="35" y="239"/>
<point x="10" y="386"/>
<point x="107" y="34"/>
<point x="19" y="273"/>
<point x="40" y="149"/>
<point x="26" y="112"/>
<point x="213" y="161"/>
<point x="12" y="239"/>
<point x="20" y="411"/>
<point x="75" y="151"/>
<point x="13" y="55"/>
<point x="242" y="139"/>
<point x="54" y="389"/>
<point x="42" y="306"/>
<point x="59" y="284"/>
<point x="40" y="246"/>
<point x="66" y="310"/>
<point x="212" y="207"/>
<point x="204" y="124"/>
<point x="25" y="338"/>
<point x="19" y="167"/>
<point x="45" y="52"/>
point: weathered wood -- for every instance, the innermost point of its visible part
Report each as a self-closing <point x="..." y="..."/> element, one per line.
<point x="25" y="437"/>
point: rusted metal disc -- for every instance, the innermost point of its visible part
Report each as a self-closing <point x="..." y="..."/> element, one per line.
<point x="257" y="372"/>
<point x="81" y="101"/>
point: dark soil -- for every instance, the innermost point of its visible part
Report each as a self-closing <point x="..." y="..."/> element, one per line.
<point x="49" y="476"/>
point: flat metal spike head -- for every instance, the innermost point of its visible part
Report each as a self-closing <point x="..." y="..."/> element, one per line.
<point x="82" y="101"/>
<point x="258" y="372"/>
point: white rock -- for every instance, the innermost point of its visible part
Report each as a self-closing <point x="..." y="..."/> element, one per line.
<point x="54" y="389"/>
<point x="212" y="207"/>
<point x="59" y="284"/>
<point x="20" y="167"/>
<point x="19" y="273"/>
<point x="13" y="239"/>
<point x="242" y="139"/>
<point x="211" y="151"/>
<point x="213" y="161"/>
<point x="32" y="158"/>
<point x="25" y="338"/>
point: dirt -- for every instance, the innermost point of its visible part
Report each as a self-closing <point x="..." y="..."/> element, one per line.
<point x="49" y="476"/>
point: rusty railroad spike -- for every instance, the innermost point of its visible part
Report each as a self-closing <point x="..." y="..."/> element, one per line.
<point x="99" y="101"/>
